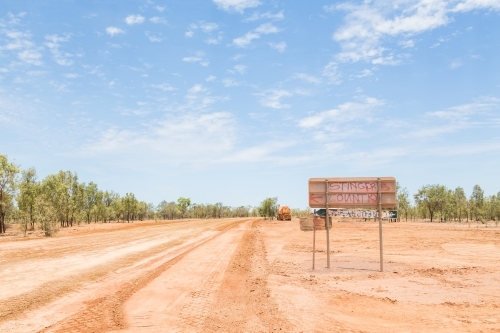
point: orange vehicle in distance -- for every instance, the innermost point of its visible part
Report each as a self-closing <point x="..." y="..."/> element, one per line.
<point x="284" y="213"/>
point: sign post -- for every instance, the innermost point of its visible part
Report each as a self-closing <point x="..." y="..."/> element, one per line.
<point x="327" y="226"/>
<point x="379" y="187"/>
<point x="362" y="192"/>
<point x="314" y="244"/>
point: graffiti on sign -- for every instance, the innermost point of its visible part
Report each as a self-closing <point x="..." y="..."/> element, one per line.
<point x="352" y="192"/>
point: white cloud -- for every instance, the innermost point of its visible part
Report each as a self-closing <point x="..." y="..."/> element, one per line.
<point x="407" y="43"/>
<point x="160" y="8"/>
<point x="280" y="47"/>
<point x="307" y="78"/>
<point x="20" y="42"/>
<point x="31" y="57"/>
<point x="134" y="19"/>
<point x="272" y="98"/>
<point x="469" y="5"/>
<point x="245" y="40"/>
<point x="54" y="43"/>
<point x="266" y="28"/>
<point x="236" y="5"/>
<point x="185" y="139"/>
<point x="369" y="24"/>
<point x="331" y="72"/>
<point x="389" y="60"/>
<point x="163" y="87"/>
<point x="113" y="31"/>
<point x="211" y="78"/>
<point x="365" y="72"/>
<point x="71" y="75"/>
<point x="230" y="83"/>
<point x="241" y="69"/>
<point x="263" y="29"/>
<point x="268" y="15"/>
<point x="208" y="27"/>
<point x="154" y="37"/>
<point x="192" y="59"/>
<point x="476" y="114"/>
<point x="158" y="20"/>
<point x="343" y="113"/>
<point x="455" y="64"/>
<point x="214" y="40"/>
<point x="197" y="58"/>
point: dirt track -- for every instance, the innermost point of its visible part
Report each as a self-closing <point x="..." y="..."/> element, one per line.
<point x="244" y="275"/>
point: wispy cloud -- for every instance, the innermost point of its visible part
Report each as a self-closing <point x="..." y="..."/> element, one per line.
<point x="158" y="20"/>
<point x="134" y="19"/>
<point x="454" y="64"/>
<point x="343" y="113"/>
<point x="263" y="29"/>
<point x="230" y="82"/>
<point x="197" y="58"/>
<point x="113" y="31"/>
<point x="154" y="37"/>
<point x="280" y="47"/>
<point x="185" y="139"/>
<point x="211" y="29"/>
<point x="267" y="15"/>
<point x="20" y="42"/>
<point x="272" y="98"/>
<point x="236" y="5"/>
<point x="163" y="87"/>
<point x="240" y="69"/>
<point x="54" y="43"/>
<point x="468" y="5"/>
<point x="331" y="72"/>
<point x="368" y="25"/>
<point x="308" y="78"/>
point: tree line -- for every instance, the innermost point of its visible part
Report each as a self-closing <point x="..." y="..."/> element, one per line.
<point x="61" y="200"/>
<point x="437" y="202"/>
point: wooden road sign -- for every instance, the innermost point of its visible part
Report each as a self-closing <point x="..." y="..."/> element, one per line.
<point x="362" y="192"/>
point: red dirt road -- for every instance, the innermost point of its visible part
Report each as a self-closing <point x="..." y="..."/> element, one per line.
<point x="247" y="275"/>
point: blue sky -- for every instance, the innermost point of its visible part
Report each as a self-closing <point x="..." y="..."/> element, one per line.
<point x="236" y="100"/>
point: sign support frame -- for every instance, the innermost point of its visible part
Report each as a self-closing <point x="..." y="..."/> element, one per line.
<point x="327" y="226"/>
<point x="379" y="188"/>
<point x="314" y="244"/>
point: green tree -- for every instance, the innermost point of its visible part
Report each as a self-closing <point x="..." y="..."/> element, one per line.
<point x="432" y="198"/>
<point x="268" y="207"/>
<point x="29" y="189"/>
<point x="477" y="202"/>
<point x="460" y="202"/>
<point x="183" y="204"/>
<point x="129" y="203"/>
<point x="403" y="202"/>
<point x="8" y="187"/>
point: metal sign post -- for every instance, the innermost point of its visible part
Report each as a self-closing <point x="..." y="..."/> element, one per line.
<point x="327" y="226"/>
<point x="380" y="224"/>
<point x="314" y="244"/>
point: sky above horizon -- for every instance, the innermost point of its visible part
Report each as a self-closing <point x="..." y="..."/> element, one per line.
<point x="234" y="101"/>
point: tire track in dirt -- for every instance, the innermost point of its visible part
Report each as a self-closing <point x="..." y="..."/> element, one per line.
<point x="244" y="302"/>
<point x="42" y="294"/>
<point x="106" y="313"/>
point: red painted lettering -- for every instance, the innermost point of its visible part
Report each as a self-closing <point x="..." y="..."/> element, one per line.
<point x="334" y="186"/>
